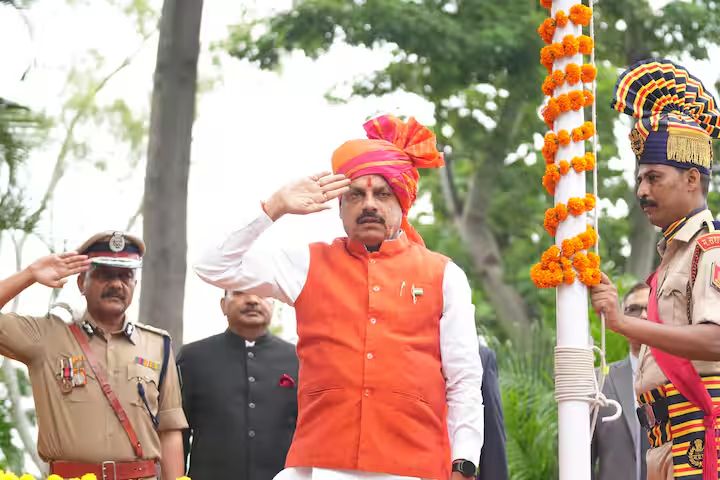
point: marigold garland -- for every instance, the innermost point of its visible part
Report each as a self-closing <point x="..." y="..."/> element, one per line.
<point x="573" y="74"/>
<point x="553" y="171"/>
<point x="574" y="100"/>
<point x="579" y="15"/>
<point x="568" y="262"/>
<point x="569" y="47"/>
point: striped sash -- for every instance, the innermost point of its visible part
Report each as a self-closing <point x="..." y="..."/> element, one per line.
<point x="684" y="429"/>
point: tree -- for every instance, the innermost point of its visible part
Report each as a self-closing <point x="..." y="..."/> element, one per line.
<point x="477" y="63"/>
<point x="168" y="165"/>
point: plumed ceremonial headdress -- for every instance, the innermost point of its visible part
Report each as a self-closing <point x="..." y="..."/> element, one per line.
<point x="676" y="117"/>
<point x="395" y="150"/>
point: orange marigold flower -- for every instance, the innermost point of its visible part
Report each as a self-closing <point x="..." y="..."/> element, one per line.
<point x="580" y="262"/>
<point x="558" y="77"/>
<point x="568" y="272"/>
<point x="589" y="201"/>
<point x="550" y="147"/>
<point x="578" y="164"/>
<point x="546" y="30"/>
<point x="563" y="102"/>
<point x="546" y="57"/>
<point x="548" y="86"/>
<point x="585" y="44"/>
<point x="576" y="206"/>
<point x="570" y="45"/>
<point x="588" y="98"/>
<point x="576" y="99"/>
<point x="564" y="167"/>
<point x="594" y="260"/>
<point x="552" y="254"/>
<point x="580" y="15"/>
<point x="561" y="19"/>
<point x="546" y="4"/>
<point x="561" y="211"/>
<point x="544" y="278"/>
<point x="563" y="137"/>
<point x="550" y="112"/>
<point x="590" y="277"/>
<point x="572" y="73"/>
<point x="589" y="161"/>
<point x="588" y="73"/>
<point x="551" y="178"/>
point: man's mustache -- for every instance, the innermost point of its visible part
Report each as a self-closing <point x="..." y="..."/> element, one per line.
<point x="644" y="202"/>
<point x="113" y="294"/>
<point x="370" y="216"/>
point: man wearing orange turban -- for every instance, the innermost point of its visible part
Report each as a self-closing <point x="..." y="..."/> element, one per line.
<point x="390" y="376"/>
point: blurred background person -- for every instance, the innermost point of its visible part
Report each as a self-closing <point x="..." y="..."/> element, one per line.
<point x="493" y="459"/>
<point x="618" y="448"/>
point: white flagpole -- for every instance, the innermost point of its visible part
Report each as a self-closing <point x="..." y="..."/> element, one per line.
<point x="572" y="306"/>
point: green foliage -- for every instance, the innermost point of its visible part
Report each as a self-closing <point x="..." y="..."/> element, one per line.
<point x="527" y="387"/>
<point x="12" y="456"/>
<point x="20" y="129"/>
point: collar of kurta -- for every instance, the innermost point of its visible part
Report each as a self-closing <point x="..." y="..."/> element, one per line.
<point x="388" y="248"/>
<point x="693" y="225"/>
<point x="91" y="327"/>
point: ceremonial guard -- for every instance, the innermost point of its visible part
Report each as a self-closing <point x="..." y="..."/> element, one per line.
<point x="106" y="390"/>
<point x="678" y="382"/>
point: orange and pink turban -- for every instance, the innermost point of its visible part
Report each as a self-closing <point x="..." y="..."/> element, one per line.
<point x="395" y="150"/>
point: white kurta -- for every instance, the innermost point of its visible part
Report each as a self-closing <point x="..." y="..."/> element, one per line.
<point x="282" y="273"/>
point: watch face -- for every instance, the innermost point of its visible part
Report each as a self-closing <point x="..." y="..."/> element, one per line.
<point x="465" y="467"/>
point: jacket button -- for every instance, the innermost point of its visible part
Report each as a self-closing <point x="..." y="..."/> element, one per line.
<point x="251" y="379"/>
<point x="251" y="405"/>
<point x="373" y="320"/>
<point x="369" y="356"/>
<point x="376" y="288"/>
<point x="251" y="433"/>
<point x="251" y="355"/>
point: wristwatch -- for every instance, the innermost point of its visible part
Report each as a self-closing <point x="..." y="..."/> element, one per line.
<point x="466" y="468"/>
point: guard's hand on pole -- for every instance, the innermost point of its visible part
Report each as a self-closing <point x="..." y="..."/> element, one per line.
<point x="604" y="299"/>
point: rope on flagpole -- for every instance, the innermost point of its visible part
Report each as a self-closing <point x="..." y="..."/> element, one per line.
<point x="575" y="380"/>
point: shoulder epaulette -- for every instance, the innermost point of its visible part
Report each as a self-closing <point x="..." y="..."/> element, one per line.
<point x="710" y="240"/>
<point x="152" y="329"/>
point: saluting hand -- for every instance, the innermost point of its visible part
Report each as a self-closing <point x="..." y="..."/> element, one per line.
<point x="53" y="270"/>
<point x="604" y="299"/>
<point x="307" y="195"/>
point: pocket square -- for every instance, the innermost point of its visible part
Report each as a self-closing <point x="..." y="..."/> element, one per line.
<point x="286" y="381"/>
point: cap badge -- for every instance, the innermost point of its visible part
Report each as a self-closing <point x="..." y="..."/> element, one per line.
<point x="636" y="142"/>
<point x="117" y="242"/>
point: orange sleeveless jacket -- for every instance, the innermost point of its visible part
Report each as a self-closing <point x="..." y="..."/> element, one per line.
<point x="372" y="394"/>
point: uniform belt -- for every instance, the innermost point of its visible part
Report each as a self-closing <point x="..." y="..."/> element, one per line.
<point x="106" y="470"/>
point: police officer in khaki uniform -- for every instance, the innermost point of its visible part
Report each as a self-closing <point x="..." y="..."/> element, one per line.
<point x="106" y="390"/>
<point x="677" y="376"/>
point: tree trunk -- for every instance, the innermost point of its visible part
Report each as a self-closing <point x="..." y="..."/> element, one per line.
<point x="509" y="307"/>
<point x="168" y="165"/>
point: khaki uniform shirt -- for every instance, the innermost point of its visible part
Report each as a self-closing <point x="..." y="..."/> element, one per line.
<point x="673" y="277"/>
<point x="76" y="423"/>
